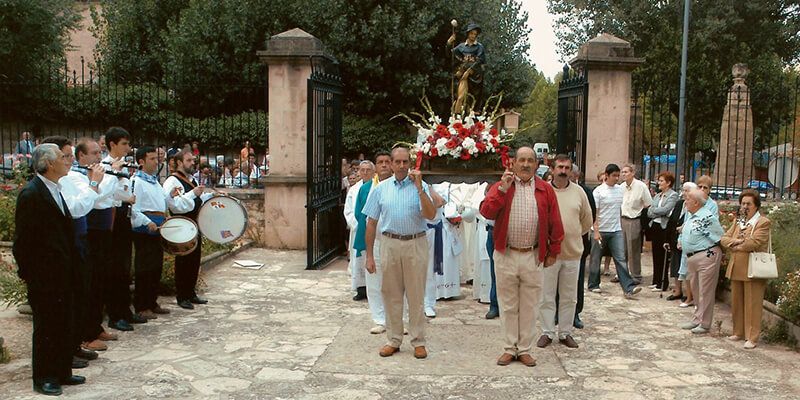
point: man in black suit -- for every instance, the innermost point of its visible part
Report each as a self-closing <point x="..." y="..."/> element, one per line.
<point x="44" y="248"/>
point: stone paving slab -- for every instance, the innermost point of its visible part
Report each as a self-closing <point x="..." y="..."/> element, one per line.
<point x="286" y="333"/>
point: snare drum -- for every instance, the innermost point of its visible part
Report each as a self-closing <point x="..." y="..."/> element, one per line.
<point x="179" y="236"/>
<point x="222" y="219"/>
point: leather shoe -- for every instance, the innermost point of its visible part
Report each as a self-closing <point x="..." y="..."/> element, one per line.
<point x="73" y="380"/>
<point x="569" y="342"/>
<point x="78" y="363"/>
<point x="86" y="354"/>
<point x="361" y="293"/>
<point x="138" y="319"/>
<point x="198" y="300"/>
<point x="673" y="297"/>
<point x="186" y="305"/>
<point x="543" y="341"/>
<point x="48" y="389"/>
<point x="505" y="359"/>
<point x="147" y="314"/>
<point x="107" y="336"/>
<point x="159" y="310"/>
<point x="493" y="313"/>
<point x="387" y="351"/>
<point x="420" y="352"/>
<point x="527" y="359"/>
<point x="577" y="323"/>
<point x="95" y="345"/>
<point x="120" y="325"/>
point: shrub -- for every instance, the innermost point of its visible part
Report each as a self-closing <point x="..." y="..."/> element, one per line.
<point x="366" y="135"/>
<point x="789" y="300"/>
<point x="13" y="290"/>
<point x="778" y="334"/>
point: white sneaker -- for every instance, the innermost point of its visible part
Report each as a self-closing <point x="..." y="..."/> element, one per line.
<point x="595" y="290"/>
<point x="655" y="289"/>
<point x="749" y="345"/>
<point x="430" y="312"/>
<point x="734" y="338"/>
<point x="377" y="329"/>
<point x="652" y="286"/>
<point x="699" y="330"/>
<point x="683" y="305"/>
<point x="688" y="325"/>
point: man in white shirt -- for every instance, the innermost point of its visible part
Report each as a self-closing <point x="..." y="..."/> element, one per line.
<point x="636" y="198"/>
<point x="148" y="213"/>
<point x="608" y="233"/>
<point x="187" y="267"/>
<point x="366" y="170"/>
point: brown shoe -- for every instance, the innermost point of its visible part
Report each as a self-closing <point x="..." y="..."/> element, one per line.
<point x="420" y="352"/>
<point x="94" y="345"/>
<point x="387" y="351"/>
<point x="107" y="336"/>
<point x="147" y="314"/>
<point x="569" y="342"/>
<point x="158" y="310"/>
<point x="527" y="359"/>
<point x="544" y="341"/>
<point x="505" y="359"/>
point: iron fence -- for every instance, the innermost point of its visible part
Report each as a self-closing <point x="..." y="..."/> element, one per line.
<point x="217" y="117"/>
<point x="738" y="145"/>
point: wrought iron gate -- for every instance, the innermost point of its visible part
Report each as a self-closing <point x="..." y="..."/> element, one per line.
<point x="573" y="104"/>
<point x="326" y="229"/>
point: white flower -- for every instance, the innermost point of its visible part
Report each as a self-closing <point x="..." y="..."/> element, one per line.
<point x="426" y="148"/>
<point x="468" y="144"/>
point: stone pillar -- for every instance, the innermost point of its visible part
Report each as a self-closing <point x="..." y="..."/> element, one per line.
<point x="608" y="62"/>
<point x="734" y="164"/>
<point x="290" y="56"/>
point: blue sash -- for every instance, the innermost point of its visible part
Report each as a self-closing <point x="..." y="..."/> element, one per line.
<point x="101" y="220"/>
<point x="157" y="219"/>
<point x="438" y="248"/>
<point x="360" y="241"/>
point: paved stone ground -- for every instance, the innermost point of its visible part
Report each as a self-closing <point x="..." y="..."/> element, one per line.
<point x="286" y="333"/>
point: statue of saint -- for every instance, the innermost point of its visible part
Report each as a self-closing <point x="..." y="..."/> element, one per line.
<point x="471" y="63"/>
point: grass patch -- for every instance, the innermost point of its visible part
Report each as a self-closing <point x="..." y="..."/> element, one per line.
<point x="778" y="333"/>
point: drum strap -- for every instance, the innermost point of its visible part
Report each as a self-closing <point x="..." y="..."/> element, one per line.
<point x="184" y="178"/>
<point x="188" y="184"/>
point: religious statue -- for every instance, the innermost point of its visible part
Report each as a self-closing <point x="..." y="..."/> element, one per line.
<point x="471" y="63"/>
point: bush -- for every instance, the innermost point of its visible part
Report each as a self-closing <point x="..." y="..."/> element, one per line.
<point x="789" y="300"/>
<point x="13" y="290"/>
<point x="369" y="134"/>
<point x="778" y="334"/>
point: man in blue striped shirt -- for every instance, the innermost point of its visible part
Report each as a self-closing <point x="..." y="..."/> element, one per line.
<point x="397" y="210"/>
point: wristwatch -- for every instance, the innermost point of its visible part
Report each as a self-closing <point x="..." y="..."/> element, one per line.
<point x="93" y="183"/>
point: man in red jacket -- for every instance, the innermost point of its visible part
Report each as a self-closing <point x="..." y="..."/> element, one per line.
<point x="527" y="237"/>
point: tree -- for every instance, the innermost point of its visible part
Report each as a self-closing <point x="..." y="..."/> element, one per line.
<point x="33" y="38"/>
<point x="760" y="33"/>
<point x="540" y="112"/>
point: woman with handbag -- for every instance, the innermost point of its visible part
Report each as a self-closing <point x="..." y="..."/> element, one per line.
<point x="659" y="213"/>
<point x="749" y="234"/>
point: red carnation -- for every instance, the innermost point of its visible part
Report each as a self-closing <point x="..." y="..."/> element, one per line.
<point x="493" y="132"/>
<point x="458" y="126"/>
<point x="463" y="133"/>
<point x="465" y="155"/>
<point x="494" y="142"/>
<point x="451" y="144"/>
<point x="441" y="131"/>
<point x="431" y="140"/>
<point x="434" y="152"/>
<point x="481" y="147"/>
<point x="480" y="126"/>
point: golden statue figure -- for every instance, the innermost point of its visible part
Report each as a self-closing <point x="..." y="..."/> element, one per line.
<point x="471" y="63"/>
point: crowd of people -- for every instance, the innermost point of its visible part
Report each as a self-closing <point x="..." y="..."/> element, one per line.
<point x="539" y="235"/>
<point x="77" y="221"/>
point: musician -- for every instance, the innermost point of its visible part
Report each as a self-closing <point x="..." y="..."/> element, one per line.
<point x="113" y="234"/>
<point x="90" y="175"/>
<point x="147" y="215"/>
<point x="51" y="285"/>
<point x="187" y="205"/>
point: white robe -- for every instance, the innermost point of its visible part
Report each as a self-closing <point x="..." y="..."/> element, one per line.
<point x="448" y="284"/>
<point x="356" y="266"/>
<point x="482" y="284"/>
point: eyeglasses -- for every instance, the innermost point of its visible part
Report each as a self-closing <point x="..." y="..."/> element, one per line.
<point x="703" y="187"/>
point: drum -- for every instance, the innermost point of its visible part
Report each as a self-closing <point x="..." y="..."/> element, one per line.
<point x="222" y="219"/>
<point x="179" y="236"/>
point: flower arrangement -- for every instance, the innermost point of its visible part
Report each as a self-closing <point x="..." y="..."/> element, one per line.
<point x="463" y="138"/>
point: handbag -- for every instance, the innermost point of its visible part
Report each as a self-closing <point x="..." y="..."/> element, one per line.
<point x="762" y="265"/>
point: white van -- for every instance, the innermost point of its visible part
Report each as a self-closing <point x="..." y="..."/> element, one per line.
<point x="540" y="149"/>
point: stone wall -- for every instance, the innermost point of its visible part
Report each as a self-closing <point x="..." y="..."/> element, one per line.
<point x="253" y="200"/>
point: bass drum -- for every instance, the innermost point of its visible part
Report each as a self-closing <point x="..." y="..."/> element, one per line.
<point x="222" y="219"/>
<point x="179" y="236"/>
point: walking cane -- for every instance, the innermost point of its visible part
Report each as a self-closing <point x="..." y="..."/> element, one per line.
<point x="664" y="271"/>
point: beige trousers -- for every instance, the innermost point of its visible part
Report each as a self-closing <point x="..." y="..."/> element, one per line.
<point x="703" y="276"/>
<point x="519" y="290"/>
<point x="632" y="232"/>
<point x="560" y="278"/>
<point x="746" y="308"/>
<point x="405" y="268"/>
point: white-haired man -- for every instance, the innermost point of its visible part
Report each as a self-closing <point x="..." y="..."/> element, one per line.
<point x="366" y="171"/>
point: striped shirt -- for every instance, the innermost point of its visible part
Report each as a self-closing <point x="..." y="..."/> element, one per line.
<point x="523" y="220"/>
<point x="701" y="230"/>
<point x="396" y="207"/>
<point x="609" y="205"/>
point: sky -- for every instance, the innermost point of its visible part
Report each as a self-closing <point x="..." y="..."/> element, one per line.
<point x="543" y="38"/>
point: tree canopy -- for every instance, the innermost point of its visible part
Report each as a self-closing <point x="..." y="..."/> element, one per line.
<point x="761" y="33"/>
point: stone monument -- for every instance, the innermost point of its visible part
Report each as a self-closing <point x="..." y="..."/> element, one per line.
<point x="291" y="56"/>
<point x="608" y="62"/>
<point x="734" y="164"/>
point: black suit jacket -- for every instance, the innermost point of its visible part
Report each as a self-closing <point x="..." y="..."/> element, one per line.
<point x="44" y="240"/>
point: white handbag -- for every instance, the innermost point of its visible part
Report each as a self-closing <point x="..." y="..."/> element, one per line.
<point x="762" y="265"/>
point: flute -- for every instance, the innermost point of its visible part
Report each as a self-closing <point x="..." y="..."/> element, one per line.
<point x="124" y="165"/>
<point x="121" y="174"/>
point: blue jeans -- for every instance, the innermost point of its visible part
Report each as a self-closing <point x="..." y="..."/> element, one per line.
<point x="616" y="243"/>
<point x="493" y="291"/>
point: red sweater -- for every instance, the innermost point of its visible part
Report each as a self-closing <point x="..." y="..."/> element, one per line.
<point x="497" y="206"/>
